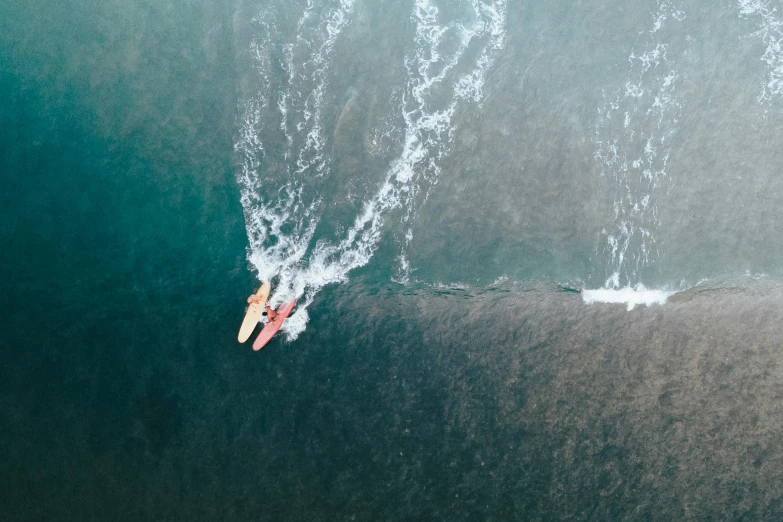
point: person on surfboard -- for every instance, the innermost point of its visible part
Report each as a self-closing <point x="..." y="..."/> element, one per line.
<point x="269" y="313"/>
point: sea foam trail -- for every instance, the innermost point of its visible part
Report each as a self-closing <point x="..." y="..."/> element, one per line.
<point x="771" y="33"/>
<point x="428" y="125"/>
<point x="633" y="142"/>
<point x="280" y="216"/>
<point x="428" y="132"/>
<point x="439" y="76"/>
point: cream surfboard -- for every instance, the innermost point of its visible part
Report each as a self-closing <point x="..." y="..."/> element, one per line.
<point x="253" y="314"/>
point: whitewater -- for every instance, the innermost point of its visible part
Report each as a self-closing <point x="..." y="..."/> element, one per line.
<point x="293" y="186"/>
<point x="634" y="134"/>
<point x="446" y="69"/>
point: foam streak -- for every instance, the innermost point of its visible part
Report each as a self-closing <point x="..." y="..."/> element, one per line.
<point x="281" y="226"/>
<point x="634" y="137"/>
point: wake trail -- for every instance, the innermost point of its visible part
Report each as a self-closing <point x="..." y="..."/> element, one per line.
<point x="446" y="68"/>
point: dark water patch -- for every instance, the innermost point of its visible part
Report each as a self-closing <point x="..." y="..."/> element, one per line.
<point x="159" y="413"/>
<point x="608" y="401"/>
<point x="405" y="405"/>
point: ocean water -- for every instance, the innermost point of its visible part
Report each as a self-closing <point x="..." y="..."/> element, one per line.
<point x="535" y="249"/>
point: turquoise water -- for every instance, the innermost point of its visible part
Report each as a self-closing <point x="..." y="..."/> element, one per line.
<point x="441" y="184"/>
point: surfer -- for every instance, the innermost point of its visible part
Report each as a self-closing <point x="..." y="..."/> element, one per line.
<point x="269" y="313"/>
<point x="275" y="319"/>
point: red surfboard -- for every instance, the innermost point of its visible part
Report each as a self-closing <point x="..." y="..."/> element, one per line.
<point x="271" y="327"/>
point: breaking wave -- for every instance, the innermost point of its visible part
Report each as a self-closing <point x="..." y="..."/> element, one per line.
<point x="629" y="296"/>
<point x="634" y="135"/>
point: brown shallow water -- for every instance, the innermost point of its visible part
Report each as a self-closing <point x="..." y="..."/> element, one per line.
<point x="580" y="412"/>
<point x="449" y="404"/>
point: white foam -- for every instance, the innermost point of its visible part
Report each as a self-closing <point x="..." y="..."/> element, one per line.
<point x="290" y="218"/>
<point x="281" y="224"/>
<point x="633" y="156"/>
<point x="311" y="158"/>
<point x="771" y="32"/>
<point x="491" y="20"/>
<point x="428" y="129"/>
<point x="629" y="296"/>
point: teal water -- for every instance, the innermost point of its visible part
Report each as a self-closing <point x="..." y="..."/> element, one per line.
<point x="436" y="182"/>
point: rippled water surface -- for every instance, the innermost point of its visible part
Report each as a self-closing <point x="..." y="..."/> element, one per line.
<point x="534" y="245"/>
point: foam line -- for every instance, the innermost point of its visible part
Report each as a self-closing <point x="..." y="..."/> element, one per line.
<point x="631" y="297"/>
